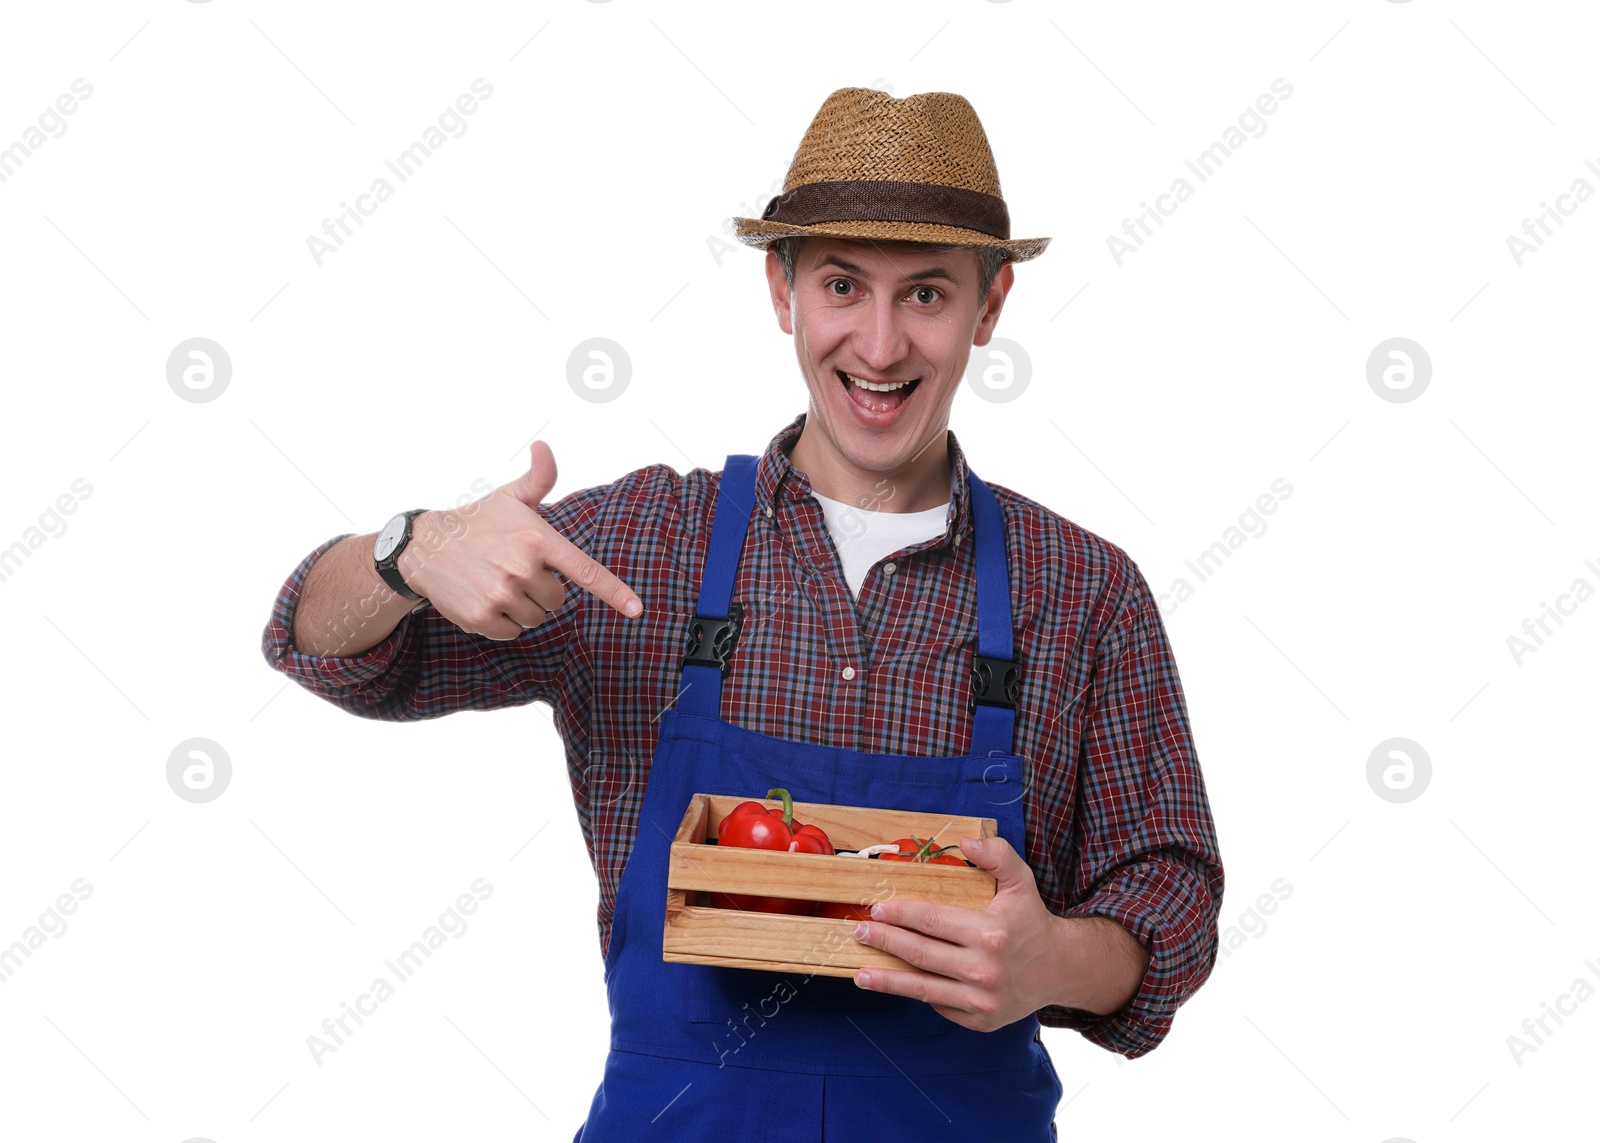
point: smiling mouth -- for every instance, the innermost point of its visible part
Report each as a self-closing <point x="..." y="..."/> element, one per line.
<point x="879" y="397"/>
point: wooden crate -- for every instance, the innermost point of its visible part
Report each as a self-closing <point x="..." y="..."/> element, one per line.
<point x="697" y="932"/>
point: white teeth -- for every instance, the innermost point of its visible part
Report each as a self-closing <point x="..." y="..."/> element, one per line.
<point x="874" y="386"/>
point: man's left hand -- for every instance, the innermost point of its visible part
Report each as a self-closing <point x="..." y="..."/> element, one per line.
<point x="986" y="968"/>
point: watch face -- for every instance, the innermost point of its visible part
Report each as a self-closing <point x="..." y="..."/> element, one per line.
<point x="389" y="538"/>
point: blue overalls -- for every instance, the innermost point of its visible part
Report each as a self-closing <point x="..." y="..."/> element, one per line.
<point x="708" y="1053"/>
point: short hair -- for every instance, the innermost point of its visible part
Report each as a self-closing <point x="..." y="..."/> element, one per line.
<point x="990" y="258"/>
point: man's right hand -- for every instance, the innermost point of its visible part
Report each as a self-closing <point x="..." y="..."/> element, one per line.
<point x="491" y="568"/>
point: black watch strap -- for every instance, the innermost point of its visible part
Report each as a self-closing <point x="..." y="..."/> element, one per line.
<point x="389" y="569"/>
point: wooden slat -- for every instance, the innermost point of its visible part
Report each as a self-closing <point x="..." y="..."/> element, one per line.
<point x="763" y="965"/>
<point x="771" y="941"/>
<point x="824" y="877"/>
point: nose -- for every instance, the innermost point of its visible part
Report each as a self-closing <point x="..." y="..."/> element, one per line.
<point x="881" y="340"/>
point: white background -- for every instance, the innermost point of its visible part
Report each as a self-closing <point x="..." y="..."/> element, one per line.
<point x="587" y="198"/>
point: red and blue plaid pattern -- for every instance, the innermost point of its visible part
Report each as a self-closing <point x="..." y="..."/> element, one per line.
<point x="1118" y="823"/>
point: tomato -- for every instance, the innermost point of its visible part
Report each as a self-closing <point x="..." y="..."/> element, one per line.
<point x="751" y="825"/>
<point x="927" y="851"/>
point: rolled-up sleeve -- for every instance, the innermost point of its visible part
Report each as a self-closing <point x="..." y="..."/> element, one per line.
<point x="427" y="666"/>
<point x="361" y="684"/>
<point x="1144" y="849"/>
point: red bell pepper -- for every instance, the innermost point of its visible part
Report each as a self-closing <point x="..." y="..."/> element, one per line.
<point x="751" y="825"/>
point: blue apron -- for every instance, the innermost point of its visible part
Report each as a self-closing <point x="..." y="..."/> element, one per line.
<point x="701" y="1052"/>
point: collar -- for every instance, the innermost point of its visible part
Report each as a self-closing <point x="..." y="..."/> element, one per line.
<point x="777" y="479"/>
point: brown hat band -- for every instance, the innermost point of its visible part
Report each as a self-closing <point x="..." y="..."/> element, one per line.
<point x="883" y="201"/>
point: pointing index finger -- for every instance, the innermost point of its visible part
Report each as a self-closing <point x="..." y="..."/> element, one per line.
<point x="588" y="573"/>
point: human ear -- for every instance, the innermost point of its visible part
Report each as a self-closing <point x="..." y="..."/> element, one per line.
<point x="778" y="286"/>
<point x="989" y="315"/>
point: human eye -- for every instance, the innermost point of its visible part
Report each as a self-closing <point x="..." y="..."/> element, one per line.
<point x="831" y="282"/>
<point x="928" y="289"/>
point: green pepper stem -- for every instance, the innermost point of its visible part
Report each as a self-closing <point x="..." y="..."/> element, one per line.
<point x="788" y="804"/>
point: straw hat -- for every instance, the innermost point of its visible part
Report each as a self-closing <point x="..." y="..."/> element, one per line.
<point x="916" y="169"/>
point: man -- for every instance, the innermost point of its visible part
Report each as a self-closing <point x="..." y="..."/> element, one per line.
<point x="860" y="592"/>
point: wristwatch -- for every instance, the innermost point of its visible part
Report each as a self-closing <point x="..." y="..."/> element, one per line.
<point x="386" y="550"/>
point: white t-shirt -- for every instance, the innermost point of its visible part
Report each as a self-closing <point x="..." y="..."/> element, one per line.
<point x="864" y="536"/>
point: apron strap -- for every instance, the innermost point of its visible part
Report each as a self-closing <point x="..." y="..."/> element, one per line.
<point x="713" y="630"/>
<point x="996" y="678"/>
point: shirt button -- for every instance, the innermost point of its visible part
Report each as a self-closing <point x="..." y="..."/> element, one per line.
<point x="769" y="509"/>
<point x="848" y="673"/>
<point x="888" y="569"/>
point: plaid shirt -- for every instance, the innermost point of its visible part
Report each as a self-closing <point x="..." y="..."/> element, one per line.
<point x="1118" y="823"/>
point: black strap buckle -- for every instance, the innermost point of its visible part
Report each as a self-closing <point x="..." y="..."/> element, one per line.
<point x="711" y="641"/>
<point x="995" y="682"/>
